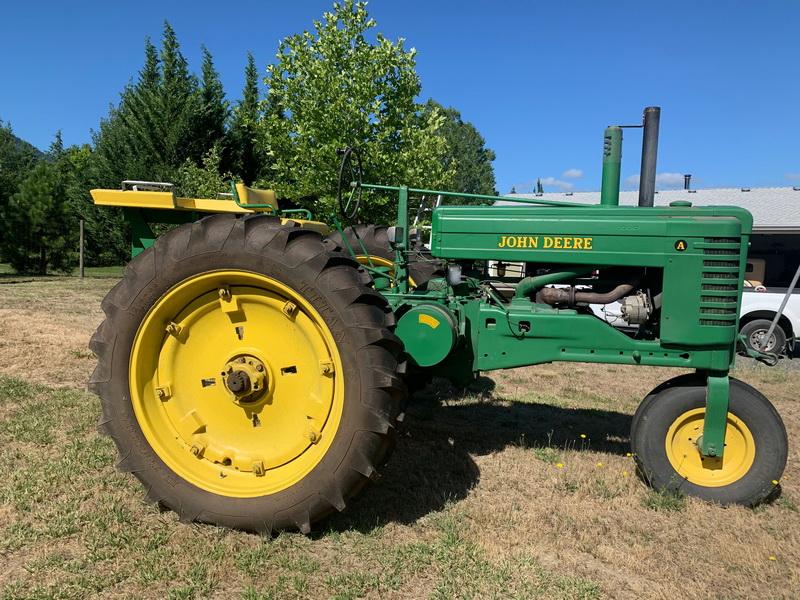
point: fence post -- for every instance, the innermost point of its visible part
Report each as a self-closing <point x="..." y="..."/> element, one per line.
<point x="80" y="255"/>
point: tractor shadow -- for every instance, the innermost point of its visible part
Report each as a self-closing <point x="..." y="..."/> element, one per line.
<point x="432" y="464"/>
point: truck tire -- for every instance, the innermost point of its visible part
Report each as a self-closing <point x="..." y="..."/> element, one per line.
<point x="248" y="374"/>
<point x="757" y="329"/>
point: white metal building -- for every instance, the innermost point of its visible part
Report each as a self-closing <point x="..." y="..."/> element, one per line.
<point x="776" y="217"/>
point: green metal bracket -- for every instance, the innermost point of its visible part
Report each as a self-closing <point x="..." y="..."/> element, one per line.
<point x="401" y="245"/>
<point x="142" y="236"/>
<point x="716" y="418"/>
<point x="291" y="211"/>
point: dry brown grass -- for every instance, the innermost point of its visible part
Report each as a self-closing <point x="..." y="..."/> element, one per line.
<point x="495" y="493"/>
<point x="45" y="325"/>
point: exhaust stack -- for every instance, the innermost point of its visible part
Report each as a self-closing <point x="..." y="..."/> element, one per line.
<point x="647" y="174"/>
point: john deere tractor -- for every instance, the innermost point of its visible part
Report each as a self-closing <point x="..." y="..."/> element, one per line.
<point x="254" y="363"/>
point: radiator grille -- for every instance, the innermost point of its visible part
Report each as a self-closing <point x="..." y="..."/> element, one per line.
<point x="720" y="282"/>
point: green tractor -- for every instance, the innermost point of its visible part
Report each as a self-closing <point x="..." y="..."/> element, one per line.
<point x="254" y="363"/>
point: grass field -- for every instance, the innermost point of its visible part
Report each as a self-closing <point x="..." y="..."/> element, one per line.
<point x="522" y="488"/>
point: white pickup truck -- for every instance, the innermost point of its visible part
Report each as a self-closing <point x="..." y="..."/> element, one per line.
<point x="759" y="309"/>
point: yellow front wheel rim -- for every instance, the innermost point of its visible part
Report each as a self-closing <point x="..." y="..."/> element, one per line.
<point x="236" y="383"/>
<point x="684" y="454"/>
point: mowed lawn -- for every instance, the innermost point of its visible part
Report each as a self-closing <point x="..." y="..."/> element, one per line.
<point x="520" y="488"/>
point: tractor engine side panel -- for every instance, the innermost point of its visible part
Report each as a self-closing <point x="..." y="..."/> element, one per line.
<point x="702" y="252"/>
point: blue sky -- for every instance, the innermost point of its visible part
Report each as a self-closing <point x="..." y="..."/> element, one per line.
<point x="540" y="80"/>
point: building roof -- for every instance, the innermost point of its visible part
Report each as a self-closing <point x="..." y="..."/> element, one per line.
<point x="774" y="210"/>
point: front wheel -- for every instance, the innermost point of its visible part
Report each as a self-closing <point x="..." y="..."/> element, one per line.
<point x="665" y="433"/>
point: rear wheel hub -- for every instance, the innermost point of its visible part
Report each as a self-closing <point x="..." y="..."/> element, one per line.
<point x="246" y="378"/>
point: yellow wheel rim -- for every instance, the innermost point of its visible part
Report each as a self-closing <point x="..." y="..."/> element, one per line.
<point x="685" y="457"/>
<point x="377" y="261"/>
<point x="236" y="383"/>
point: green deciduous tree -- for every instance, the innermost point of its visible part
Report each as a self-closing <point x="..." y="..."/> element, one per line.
<point x="206" y="180"/>
<point x="335" y="87"/>
<point x="474" y="173"/>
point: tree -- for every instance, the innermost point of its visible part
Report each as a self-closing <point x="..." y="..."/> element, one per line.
<point x="332" y="88"/>
<point x="474" y="173"/>
<point x="164" y="119"/>
<point x="248" y="159"/>
<point x="17" y="158"/>
<point x="205" y="181"/>
<point x="213" y="109"/>
<point x="44" y="228"/>
<point x="156" y="127"/>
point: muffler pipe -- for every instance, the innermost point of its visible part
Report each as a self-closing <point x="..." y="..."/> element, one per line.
<point x="647" y="174"/>
<point x="570" y="296"/>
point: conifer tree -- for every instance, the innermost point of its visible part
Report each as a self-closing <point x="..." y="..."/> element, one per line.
<point x="40" y="218"/>
<point x="213" y="109"/>
<point x="247" y="155"/>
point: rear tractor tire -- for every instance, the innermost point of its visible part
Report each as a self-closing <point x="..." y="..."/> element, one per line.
<point x="375" y="240"/>
<point x="248" y="374"/>
<point x="664" y="439"/>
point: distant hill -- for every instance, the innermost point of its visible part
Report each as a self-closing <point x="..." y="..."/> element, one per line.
<point x="10" y="142"/>
<point x="17" y="157"/>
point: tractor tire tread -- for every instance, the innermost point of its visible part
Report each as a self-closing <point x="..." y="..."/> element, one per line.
<point x="362" y="317"/>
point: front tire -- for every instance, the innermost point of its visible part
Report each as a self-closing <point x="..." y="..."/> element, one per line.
<point x="248" y="374"/>
<point x="664" y="439"/>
